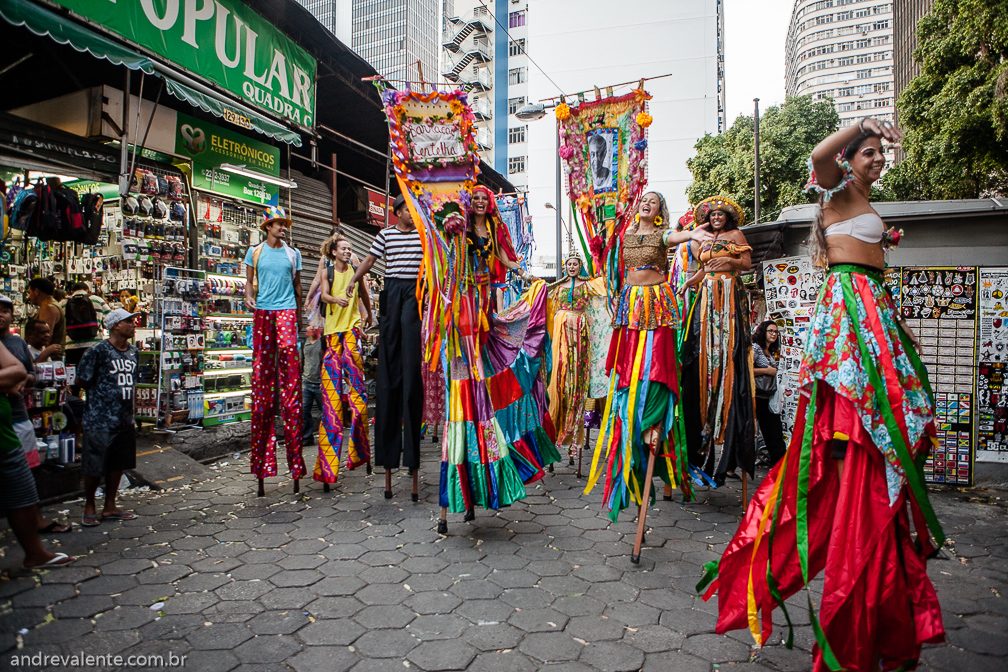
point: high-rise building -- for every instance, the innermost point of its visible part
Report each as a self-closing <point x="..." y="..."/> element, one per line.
<point x="395" y="35"/>
<point x="843" y="50"/>
<point x="336" y="15"/>
<point x="906" y="14"/>
<point x="484" y="51"/>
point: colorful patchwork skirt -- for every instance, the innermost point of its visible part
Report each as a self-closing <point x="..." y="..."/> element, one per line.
<point x="866" y="401"/>
<point x="498" y="432"/>
<point x="718" y="385"/>
<point x="643" y="393"/>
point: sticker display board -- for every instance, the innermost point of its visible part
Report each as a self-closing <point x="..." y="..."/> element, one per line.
<point x="791" y="287"/>
<point x="940" y="305"/>
<point x="992" y="357"/>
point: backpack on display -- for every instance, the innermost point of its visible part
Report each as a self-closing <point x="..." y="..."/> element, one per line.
<point x="94" y="215"/>
<point x="69" y="214"/>
<point x="22" y="208"/>
<point x="81" y="318"/>
<point x="44" y="221"/>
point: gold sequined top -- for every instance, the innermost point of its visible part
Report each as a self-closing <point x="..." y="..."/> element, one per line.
<point x="642" y="251"/>
<point x="710" y="249"/>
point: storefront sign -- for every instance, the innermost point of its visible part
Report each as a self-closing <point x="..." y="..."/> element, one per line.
<point x="376" y="209"/>
<point x="222" y="41"/>
<point x="209" y="146"/>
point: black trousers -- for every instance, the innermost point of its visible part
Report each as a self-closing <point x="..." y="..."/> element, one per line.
<point x="399" y="408"/>
<point x="771" y="429"/>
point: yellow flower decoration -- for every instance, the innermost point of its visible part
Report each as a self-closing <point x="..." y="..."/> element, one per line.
<point x="644" y="119"/>
<point x="584" y="202"/>
<point x="563" y="111"/>
<point x="456" y="107"/>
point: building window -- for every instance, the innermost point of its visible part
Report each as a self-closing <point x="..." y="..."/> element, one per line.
<point x="879" y="41"/>
<point x="516" y="135"/>
<point x="861" y="44"/>
<point x="883" y="102"/>
<point x="516" y="20"/>
<point x="845" y="16"/>
<point x="516" y="76"/>
<point x="516" y="47"/>
<point x="845" y="107"/>
<point x="882" y="87"/>
<point x="516" y="164"/>
<point x="881" y="25"/>
<point x="861" y="13"/>
<point x="864" y="58"/>
<point x="515" y="104"/>
<point x="845" y="91"/>
<point x="846" y="60"/>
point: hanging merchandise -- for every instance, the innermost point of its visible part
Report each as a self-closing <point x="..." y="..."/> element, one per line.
<point x="182" y="296"/>
<point x="225" y="231"/>
<point x="992" y="394"/>
<point x="604" y="148"/>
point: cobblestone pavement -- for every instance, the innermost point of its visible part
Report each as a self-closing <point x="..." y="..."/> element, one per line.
<point x="349" y="580"/>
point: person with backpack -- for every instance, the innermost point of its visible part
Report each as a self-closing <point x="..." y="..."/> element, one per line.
<point x="84" y="312"/>
<point x="343" y="367"/>
<point x="273" y="294"/>
<point x="40" y="293"/>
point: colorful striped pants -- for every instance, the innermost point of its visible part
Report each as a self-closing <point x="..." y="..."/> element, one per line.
<point x="276" y="363"/>
<point x="342" y="368"/>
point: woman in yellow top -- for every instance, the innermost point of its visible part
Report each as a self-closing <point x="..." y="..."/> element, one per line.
<point x="575" y="362"/>
<point x="717" y="356"/>
<point x="342" y="367"/>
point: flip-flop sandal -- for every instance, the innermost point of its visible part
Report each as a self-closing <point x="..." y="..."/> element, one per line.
<point x="61" y="560"/>
<point x="90" y="520"/>
<point x="122" y="515"/>
<point x="51" y="528"/>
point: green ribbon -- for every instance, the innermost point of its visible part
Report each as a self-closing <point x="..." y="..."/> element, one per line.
<point x="914" y="470"/>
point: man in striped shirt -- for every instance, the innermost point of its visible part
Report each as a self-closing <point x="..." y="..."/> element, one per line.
<point x="400" y="387"/>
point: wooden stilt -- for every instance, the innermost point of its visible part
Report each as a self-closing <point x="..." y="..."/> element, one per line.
<point x="388" y="484"/>
<point x="581" y="453"/>
<point x="442" y="524"/>
<point x="745" y="489"/>
<point x="369" y="469"/>
<point x="645" y="499"/>
<point x="667" y="495"/>
<point x="297" y="486"/>
<point x="325" y="487"/>
<point x="262" y="489"/>
<point x="416" y="485"/>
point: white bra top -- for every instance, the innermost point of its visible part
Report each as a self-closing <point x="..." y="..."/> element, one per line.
<point x="867" y="228"/>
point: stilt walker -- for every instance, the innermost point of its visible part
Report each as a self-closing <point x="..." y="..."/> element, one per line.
<point x="273" y="294"/>
<point x="343" y="368"/>
<point x="848" y="495"/>
<point x="399" y="407"/>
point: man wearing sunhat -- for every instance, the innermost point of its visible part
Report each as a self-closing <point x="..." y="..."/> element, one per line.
<point x="109" y="440"/>
<point x="399" y="409"/>
<point x="273" y="294"/>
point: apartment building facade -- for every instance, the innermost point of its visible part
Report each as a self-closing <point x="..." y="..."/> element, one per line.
<point x="842" y="50"/>
<point x="484" y="52"/>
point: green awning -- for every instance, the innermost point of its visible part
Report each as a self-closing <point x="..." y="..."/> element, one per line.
<point x="220" y="108"/>
<point x="43" y="22"/>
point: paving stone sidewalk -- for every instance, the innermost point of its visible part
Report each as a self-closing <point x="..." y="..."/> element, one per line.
<point x="349" y="580"/>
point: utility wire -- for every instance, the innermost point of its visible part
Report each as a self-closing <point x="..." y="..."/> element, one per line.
<point x="522" y="47"/>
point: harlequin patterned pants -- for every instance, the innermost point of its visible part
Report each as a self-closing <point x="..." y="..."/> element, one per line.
<point x="342" y="369"/>
<point x="276" y="364"/>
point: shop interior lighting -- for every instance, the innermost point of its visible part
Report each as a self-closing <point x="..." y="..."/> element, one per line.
<point x="269" y="179"/>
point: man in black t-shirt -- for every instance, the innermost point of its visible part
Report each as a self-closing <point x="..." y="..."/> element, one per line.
<point x="106" y="372"/>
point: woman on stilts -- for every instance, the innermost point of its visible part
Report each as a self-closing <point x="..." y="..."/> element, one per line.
<point x="636" y="439"/>
<point x="498" y="434"/>
<point x="717" y="358"/>
<point x="842" y="499"/>
<point x="343" y="367"/>
<point x="573" y="359"/>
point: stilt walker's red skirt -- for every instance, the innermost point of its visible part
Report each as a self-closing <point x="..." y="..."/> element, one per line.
<point x="865" y="401"/>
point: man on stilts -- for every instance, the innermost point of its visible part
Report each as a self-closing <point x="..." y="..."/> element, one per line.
<point x="399" y="408"/>
<point x="273" y="294"/>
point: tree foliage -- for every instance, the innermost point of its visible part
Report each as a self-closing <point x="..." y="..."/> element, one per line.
<point x="724" y="163"/>
<point x="955" y="112"/>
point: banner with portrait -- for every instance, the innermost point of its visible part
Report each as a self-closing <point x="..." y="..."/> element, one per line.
<point x="603" y="144"/>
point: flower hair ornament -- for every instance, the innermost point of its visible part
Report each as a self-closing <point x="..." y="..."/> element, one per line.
<point x="703" y="210"/>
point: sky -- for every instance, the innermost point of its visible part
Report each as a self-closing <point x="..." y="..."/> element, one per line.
<point x="754" y="53"/>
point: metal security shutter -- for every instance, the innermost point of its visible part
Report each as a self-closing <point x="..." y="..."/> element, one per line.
<point x="311" y="210"/>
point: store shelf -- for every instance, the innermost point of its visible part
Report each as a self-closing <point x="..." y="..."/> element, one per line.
<point x="233" y="393"/>
<point x="221" y="372"/>
<point x="240" y="416"/>
<point x="231" y="316"/>
<point x="227" y="351"/>
<point x="225" y="276"/>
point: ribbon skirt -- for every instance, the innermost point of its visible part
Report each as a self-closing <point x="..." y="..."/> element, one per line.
<point x="342" y="368"/>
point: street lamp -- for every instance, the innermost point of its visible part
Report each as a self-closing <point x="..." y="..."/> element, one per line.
<point x="535" y="112"/>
